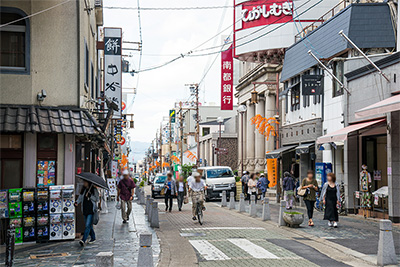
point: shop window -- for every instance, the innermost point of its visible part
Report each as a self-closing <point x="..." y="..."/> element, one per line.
<point x="295" y="97"/>
<point x="11" y="161"/>
<point x="206" y="131"/>
<point x="47" y="142"/>
<point x="14" y="38"/>
<point x="11" y="141"/>
<point x="338" y="71"/>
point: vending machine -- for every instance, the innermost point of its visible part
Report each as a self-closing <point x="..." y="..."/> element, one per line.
<point x="56" y="227"/>
<point x="4" y="204"/>
<point x="321" y="170"/>
<point x="18" y="229"/>
<point x="15" y="203"/>
<point x="68" y="199"/>
<point x="42" y="214"/>
<point x="55" y="199"/>
<point x="68" y="226"/>
<point x="68" y="209"/>
<point x="29" y="228"/>
<point x="28" y="202"/>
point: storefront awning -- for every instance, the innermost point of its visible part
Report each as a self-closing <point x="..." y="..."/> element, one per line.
<point x="276" y="153"/>
<point x="388" y="105"/>
<point x="341" y="135"/>
<point x="304" y="148"/>
<point x="37" y="119"/>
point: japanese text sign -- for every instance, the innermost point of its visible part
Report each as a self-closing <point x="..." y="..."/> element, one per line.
<point x="227" y="79"/>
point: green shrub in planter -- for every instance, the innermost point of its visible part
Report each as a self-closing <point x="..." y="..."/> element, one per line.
<point x="141" y="184"/>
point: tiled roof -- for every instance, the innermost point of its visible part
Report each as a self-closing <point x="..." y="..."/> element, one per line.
<point x="368" y="25"/>
<point x="20" y="118"/>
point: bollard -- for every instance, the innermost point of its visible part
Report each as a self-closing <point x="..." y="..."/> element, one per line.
<point x="146" y="210"/>
<point x="10" y="245"/>
<point x="141" y="198"/>
<point x="145" y="258"/>
<point x="266" y="214"/>
<point x="223" y="201"/>
<point x="253" y="207"/>
<point x="242" y="206"/>
<point x="282" y="208"/>
<point x="151" y="200"/>
<point x="154" y="222"/>
<point x="232" y="201"/>
<point x="104" y="259"/>
<point x="137" y="191"/>
<point x="386" y="251"/>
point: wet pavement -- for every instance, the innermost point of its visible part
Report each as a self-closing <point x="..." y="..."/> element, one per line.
<point x="112" y="235"/>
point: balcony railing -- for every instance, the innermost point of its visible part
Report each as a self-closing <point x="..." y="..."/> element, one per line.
<point x="321" y="20"/>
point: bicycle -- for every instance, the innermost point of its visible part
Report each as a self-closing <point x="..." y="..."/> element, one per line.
<point x="318" y="203"/>
<point x="199" y="212"/>
<point x="342" y="208"/>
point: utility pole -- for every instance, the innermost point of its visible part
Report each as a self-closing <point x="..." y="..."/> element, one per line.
<point x="160" y="153"/>
<point x="196" y="93"/>
<point x="181" y="130"/>
<point x="170" y="141"/>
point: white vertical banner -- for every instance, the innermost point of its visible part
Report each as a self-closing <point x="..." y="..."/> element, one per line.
<point x="113" y="67"/>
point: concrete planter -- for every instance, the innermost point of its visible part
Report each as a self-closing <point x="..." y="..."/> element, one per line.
<point x="293" y="219"/>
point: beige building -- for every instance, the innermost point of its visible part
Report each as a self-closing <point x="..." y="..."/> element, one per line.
<point x="49" y="77"/>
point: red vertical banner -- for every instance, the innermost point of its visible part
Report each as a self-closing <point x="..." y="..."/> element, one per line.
<point x="227" y="79"/>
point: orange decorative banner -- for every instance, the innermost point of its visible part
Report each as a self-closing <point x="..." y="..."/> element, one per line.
<point x="272" y="168"/>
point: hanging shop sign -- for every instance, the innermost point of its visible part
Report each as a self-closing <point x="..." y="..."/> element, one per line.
<point x="261" y="12"/>
<point x="113" y="67"/>
<point x="172" y="114"/>
<point x="272" y="169"/>
<point x="312" y="84"/>
<point x="227" y="79"/>
<point x="46" y="173"/>
<point x="114" y="169"/>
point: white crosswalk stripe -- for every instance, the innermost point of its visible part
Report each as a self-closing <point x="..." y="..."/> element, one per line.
<point x="208" y="251"/>
<point x="253" y="249"/>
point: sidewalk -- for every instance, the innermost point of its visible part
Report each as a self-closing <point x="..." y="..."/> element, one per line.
<point x="354" y="232"/>
<point x="111" y="234"/>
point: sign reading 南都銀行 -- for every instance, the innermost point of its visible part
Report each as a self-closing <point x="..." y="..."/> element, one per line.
<point x="113" y="67"/>
<point x="227" y="79"/>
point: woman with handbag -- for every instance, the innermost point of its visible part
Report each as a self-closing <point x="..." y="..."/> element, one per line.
<point x="182" y="191"/>
<point x="309" y="187"/>
<point x="89" y="196"/>
<point x="330" y="196"/>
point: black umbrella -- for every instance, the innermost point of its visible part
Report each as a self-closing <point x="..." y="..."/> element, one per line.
<point x="94" y="179"/>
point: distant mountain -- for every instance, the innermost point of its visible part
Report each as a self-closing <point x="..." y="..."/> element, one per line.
<point x="139" y="149"/>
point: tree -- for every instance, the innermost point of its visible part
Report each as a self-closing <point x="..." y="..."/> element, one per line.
<point x="265" y="126"/>
<point x="186" y="168"/>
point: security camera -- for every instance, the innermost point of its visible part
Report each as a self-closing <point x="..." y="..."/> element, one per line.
<point x="41" y="95"/>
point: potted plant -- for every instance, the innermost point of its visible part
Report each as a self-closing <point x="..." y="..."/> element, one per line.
<point x="293" y="218"/>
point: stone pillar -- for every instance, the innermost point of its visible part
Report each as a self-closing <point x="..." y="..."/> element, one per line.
<point x="206" y="152"/>
<point x="105" y="259"/>
<point x="242" y="139"/>
<point x="260" y="139"/>
<point x="270" y="111"/>
<point x="250" y="149"/>
<point x="393" y="159"/>
<point x="30" y="160"/>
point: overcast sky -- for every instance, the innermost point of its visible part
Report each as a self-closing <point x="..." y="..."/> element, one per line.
<point x="166" y="34"/>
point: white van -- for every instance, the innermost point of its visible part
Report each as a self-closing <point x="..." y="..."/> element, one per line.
<point x="218" y="179"/>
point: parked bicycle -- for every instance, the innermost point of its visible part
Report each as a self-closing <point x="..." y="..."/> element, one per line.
<point x="342" y="209"/>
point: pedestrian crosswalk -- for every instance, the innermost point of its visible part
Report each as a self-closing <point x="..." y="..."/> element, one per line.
<point x="208" y="251"/>
<point x="254" y="250"/>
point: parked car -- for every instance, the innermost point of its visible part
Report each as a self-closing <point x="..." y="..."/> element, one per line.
<point x="218" y="179"/>
<point x="157" y="185"/>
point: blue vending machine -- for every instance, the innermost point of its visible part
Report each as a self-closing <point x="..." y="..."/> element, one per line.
<point x="321" y="170"/>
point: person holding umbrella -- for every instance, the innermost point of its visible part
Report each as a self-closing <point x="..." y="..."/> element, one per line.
<point x="89" y="196"/>
<point x="126" y="188"/>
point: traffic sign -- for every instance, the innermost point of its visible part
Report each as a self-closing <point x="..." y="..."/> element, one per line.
<point x="172" y="115"/>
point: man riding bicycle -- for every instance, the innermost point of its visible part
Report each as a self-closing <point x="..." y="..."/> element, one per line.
<point x="196" y="190"/>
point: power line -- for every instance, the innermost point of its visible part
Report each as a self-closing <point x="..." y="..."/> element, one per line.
<point x="34" y="14"/>
<point x="168" y="8"/>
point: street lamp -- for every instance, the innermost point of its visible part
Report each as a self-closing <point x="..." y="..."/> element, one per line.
<point x="242" y="109"/>
<point x="220" y="120"/>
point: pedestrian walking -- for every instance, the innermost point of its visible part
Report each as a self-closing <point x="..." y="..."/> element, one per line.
<point x="263" y="184"/>
<point x="330" y="196"/>
<point x="245" y="180"/>
<point x="126" y="188"/>
<point x="252" y="186"/>
<point x="170" y="191"/>
<point x="311" y="186"/>
<point x="88" y="197"/>
<point x="289" y="186"/>
<point x="182" y="191"/>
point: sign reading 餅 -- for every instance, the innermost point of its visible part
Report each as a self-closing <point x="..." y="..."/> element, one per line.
<point x="312" y="84"/>
<point x="227" y="79"/>
<point x="113" y="67"/>
<point x="261" y="12"/>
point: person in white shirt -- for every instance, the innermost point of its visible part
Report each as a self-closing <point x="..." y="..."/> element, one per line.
<point x="252" y="186"/>
<point x="197" y="187"/>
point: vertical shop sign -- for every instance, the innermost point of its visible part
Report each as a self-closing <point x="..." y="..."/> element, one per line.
<point x="272" y="169"/>
<point x="113" y="67"/>
<point x="114" y="168"/>
<point x="227" y="79"/>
